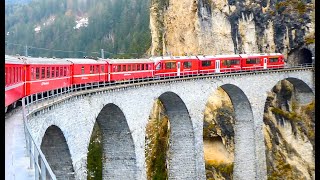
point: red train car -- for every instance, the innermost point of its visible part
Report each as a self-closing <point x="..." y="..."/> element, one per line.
<point x="45" y="74"/>
<point x="14" y="80"/>
<point x="126" y="69"/>
<point x="85" y="71"/>
<point x="262" y="61"/>
<point x="275" y="61"/>
<point x="176" y="65"/>
<point x="219" y="63"/>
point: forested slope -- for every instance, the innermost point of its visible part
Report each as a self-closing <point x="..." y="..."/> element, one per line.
<point x="78" y="27"/>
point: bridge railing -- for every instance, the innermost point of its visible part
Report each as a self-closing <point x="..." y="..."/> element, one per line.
<point x="38" y="161"/>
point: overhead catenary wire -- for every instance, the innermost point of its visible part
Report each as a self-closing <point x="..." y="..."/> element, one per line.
<point x="66" y="51"/>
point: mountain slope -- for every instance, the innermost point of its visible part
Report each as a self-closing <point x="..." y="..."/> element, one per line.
<point x="82" y="27"/>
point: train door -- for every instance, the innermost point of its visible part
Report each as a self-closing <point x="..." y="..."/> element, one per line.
<point x="109" y="71"/>
<point x="101" y="72"/>
<point x="265" y="63"/>
<point x="178" y="68"/>
<point x="217" y="66"/>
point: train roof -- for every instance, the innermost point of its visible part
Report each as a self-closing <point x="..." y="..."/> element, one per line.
<point x="173" y="57"/>
<point x="13" y="60"/>
<point x="127" y="61"/>
<point x="203" y="58"/>
<point x="44" y="60"/>
<point x="84" y="61"/>
<point x="261" y="54"/>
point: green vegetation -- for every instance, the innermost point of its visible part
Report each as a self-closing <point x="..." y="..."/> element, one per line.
<point x="119" y="27"/>
<point x="156" y="150"/>
<point x="288" y="115"/>
<point x="94" y="160"/>
<point x="225" y="170"/>
<point x="292" y="6"/>
<point x="309" y="40"/>
<point x="282" y="170"/>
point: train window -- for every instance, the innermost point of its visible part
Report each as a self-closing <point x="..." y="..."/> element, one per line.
<point x="138" y="67"/>
<point x="48" y="72"/>
<point x="124" y="67"/>
<point x="57" y="71"/>
<point x="5" y="76"/>
<point x="119" y="68"/>
<point x="253" y="61"/>
<point x="52" y="72"/>
<point x="91" y="69"/>
<point x="231" y="62"/>
<point x="43" y="72"/>
<point x="15" y="74"/>
<point x="61" y="71"/>
<point x="129" y="67"/>
<point x="158" y="66"/>
<point x="273" y="60"/>
<point x="12" y="75"/>
<point x="8" y="75"/>
<point x="142" y="66"/>
<point x="206" y="63"/>
<point x="65" y="71"/>
<point x="18" y="74"/>
<point x="32" y="73"/>
<point x="82" y="70"/>
<point x="97" y="69"/>
<point x="170" y="65"/>
<point x="133" y="67"/>
<point x="147" y="66"/>
<point x="102" y="68"/>
<point x="187" y="64"/>
<point x="37" y="73"/>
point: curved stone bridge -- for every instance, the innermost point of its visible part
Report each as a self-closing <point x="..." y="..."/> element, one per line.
<point x="63" y="131"/>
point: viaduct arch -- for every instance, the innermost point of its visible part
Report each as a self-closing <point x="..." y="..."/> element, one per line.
<point x="56" y="151"/>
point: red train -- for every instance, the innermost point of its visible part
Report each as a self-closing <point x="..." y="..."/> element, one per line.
<point x="26" y="76"/>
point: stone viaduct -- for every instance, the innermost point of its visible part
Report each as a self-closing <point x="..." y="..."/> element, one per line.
<point x="63" y="130"/>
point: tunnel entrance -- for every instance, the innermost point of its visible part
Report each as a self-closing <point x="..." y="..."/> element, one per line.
<point x="55" y="148"/>
<point x="305" y="56"/>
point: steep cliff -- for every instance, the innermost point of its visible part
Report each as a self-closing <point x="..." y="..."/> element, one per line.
<point x="289" y="128"/>
<point x="229" y="26"/>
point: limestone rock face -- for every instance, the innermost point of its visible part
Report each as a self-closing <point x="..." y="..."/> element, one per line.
<point x="289" y="135"/>
<point x="228" y="27"/>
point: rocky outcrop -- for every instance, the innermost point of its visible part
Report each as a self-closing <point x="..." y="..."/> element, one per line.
<point x="157" y="143"/>
<point x="227" y="26"/>
<point x="289" y="135"/>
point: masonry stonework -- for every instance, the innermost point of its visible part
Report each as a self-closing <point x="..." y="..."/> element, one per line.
<point x="77" y="116"/>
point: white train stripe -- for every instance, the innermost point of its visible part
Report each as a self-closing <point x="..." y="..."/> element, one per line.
<point x="14" y="86"/>
<point x="51" y="79"/>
